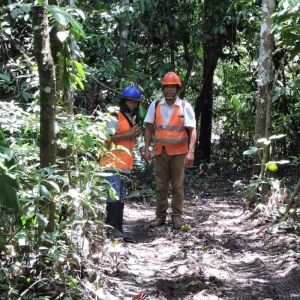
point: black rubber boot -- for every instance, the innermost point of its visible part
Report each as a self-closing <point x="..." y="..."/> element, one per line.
<point x="112" y="218"/>
<point x="127" y="236"/>
<point x="120" y="217"/>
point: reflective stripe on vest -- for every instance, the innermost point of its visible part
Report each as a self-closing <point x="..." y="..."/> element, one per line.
<point x="173" y="136"/>
<point x="121" y="155"/>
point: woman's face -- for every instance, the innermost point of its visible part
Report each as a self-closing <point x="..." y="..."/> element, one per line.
<point x="132" y="104"/>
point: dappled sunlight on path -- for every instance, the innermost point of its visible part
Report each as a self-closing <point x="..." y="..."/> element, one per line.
<point x="225" y="255"/>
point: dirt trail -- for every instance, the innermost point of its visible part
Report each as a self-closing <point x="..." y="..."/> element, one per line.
<point x="225" y="254"/>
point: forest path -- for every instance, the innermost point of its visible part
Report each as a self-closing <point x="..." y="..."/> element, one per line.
<point x="225" y="255"/>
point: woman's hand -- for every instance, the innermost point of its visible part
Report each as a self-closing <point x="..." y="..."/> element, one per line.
<point x="136" y="131"/>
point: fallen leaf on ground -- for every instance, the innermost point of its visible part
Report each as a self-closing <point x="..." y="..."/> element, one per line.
<point x="138" y="296"/>
<point x="261" y="230"/>
<point x="186" y="228"/>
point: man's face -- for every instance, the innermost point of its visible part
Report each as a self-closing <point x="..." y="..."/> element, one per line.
<point x="132" y="104"/>
<point x="170" y="90"/>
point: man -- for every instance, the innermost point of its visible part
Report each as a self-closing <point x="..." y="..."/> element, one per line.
<point x="175" y="136"/>
<point x="119" y="158"/>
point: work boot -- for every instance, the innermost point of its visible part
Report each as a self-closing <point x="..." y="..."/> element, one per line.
<point x="120" y="217"/>
<point x="177" y="222"/>
<point x="127" y="236"/>
<point x="112" y="209"/>
<point x="158" y="222"/>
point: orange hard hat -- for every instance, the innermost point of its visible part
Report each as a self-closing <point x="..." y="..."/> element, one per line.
<point x="171" y="78"/>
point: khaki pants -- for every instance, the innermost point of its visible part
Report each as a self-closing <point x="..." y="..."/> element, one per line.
<point x="169" y="168"/>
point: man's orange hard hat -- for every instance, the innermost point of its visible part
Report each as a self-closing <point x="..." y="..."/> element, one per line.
<point x="171" y="78"/>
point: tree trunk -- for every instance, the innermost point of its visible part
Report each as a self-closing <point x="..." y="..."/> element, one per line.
<point x="47" y="93"/>
<point x="265" y="84"/>
<point x="189" y="53"/>
<point x="74" y="71"/>
<point x="214" y="14"/>
<point x="204" y="103"/>
<point x="124" y="31"/>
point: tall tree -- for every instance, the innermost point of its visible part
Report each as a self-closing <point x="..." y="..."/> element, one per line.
<point x="47" y="81"/>
<point x="189" y="44"/>
<point x="263" y="126"/>
<point x="74" y="56"/>
<point x="216" y="36"/>
<point x="124" y="31"/>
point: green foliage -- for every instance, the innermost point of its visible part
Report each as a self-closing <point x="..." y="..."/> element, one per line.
<point x="20" y="78"/>
<point x="161" y="36"/>
<point x="250" y="190"/>
<point x="234" y="115"/>
<point x="70" y="71"/>
<point x="67" y="75"/>
<point x="64" y="18"/>
<point x="9" y="180"/>
<point x="143" y="5"/>
<point x="5" y="81"/>
<point x="153" y="36"/>
<point x="75" y="184"/>
<point x="286" y="23"/>
<point x="270" y="165"/>
<point x="17" y="66"/>
<point x="143" y="179"/>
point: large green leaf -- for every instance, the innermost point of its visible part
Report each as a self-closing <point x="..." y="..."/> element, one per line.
<point x="7" y="155"/>
<point x="8" y="195"/>
<point x="10" y="179"/>
<point x="9" y="182"/>
<point x="66" y="80"/>
<point x="5" y="76"/>
<point x="44" y="192"/>
<point x="295" y="51"/>
<point x="42" y="220"/>
<point x="252" y="150"/>
<point x="79" y="68"/>
<point x="64" y="18"/>
<point x="88" y="141"/>
<point x="3" y="141"/>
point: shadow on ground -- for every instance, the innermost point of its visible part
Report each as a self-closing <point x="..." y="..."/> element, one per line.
<point x="225" y="255"/>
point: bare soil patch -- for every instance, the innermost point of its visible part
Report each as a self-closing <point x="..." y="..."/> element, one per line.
<point x="226" y="254"/>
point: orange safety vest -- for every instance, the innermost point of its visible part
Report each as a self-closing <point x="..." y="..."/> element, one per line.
<point x="118" y="157"/>
<point x="173" y="136"/>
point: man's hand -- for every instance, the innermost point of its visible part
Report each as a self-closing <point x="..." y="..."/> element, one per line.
<point x="189" y="159"/>
<point x="147" y="156"/>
